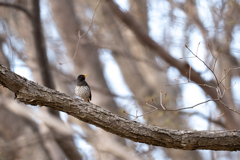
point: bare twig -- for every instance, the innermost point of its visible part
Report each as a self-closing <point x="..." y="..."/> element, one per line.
<point x="228" y="73"/>
<point x="75" y="53"/>
<point x="155" y="108"/>
<point x="177" y="84"/>
<point x="80" y="36"/>
<point x="218" y="122"/>
<point x="218" y="90"/>
<point x="191" y="83"/>
<point x="224" y="90"/>
<point x="186" y="57"/>
<point x="210" y="50"/>
<point x="231" y="86"/>
<point x="204" y="64"/>
<point x="228" y="107"/>
<point x="189" y="78"/>
<point x="215" y="60"/>
<point x="95" y="9"/>
<point x="221" y="115"/>
<point x="161" y="104"/>
<point x="151" y="106"/>
<point x="198" y="48"/>
<point x="137" y="116"/>
<point x="128" y="114"/>
<point x="145" y="113"/>
<point x="153" y="102"/>
<point x="192" y="106"/>
<point x="205" y="85"/>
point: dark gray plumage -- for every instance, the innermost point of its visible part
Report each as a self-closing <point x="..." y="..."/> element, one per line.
<point x="82" y="89"/>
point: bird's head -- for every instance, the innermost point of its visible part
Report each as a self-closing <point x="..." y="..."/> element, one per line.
<point x="81" y="77"/>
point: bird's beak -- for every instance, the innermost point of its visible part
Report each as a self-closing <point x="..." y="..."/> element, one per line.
<point x="85" y="75"/>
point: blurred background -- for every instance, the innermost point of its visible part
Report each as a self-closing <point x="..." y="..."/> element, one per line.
<point x="38" y="40"/>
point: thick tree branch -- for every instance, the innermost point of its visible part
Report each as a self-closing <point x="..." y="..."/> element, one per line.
<point x="29" y="92"/>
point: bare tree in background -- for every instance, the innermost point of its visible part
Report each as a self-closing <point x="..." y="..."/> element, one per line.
<point x="43" y="36"/>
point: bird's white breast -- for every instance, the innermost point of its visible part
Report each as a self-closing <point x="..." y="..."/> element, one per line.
<point x="83" y="92"/>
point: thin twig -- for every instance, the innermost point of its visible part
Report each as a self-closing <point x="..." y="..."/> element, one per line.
<point x="192" y="106"/>
<point x="160" y="96"/>
<point x="177" y="84"/>
<point x="186" y="57"/>
<point x="142" y="114"/>
<point x="232" y="85"/>
<point x="223" y="93"/>
<point x="215" y="60"/>
<point x="128" y="114"/>
<point x="163" y="107"/>
<point x="161" y="104"/>
<point x="198" y="48"/>
<point x="204" y="64"/>
<point x="80" y="36"/>
<point x="221" y="115"/>
<point x="181" y="80"/>
<point x="153" y="102"/>
<point x="191" y="83"/>
<point x="146" y="113"/>
<point x="95" y="9"/>
<point x="228" y="73"/>
<point x="219" y="93"/>
<point x="189" y="74"/>
<point x="218" y="122"/>
<point x="206" y="85"/>
<point x="210" y="51"/>
<point x="75" y="53"/>
<point x="229" y="107"/>
<point x="151" y="106"/>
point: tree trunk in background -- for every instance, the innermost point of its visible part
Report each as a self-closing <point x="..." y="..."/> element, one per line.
<point x="86" y="60"/>
<point x="38" y="63"/>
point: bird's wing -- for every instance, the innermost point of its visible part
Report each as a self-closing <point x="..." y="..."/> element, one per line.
<point x="90" y="92"/>
<point x="90" y="95"/>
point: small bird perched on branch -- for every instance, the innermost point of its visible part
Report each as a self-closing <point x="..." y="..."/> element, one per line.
<point x="82" y="89"/>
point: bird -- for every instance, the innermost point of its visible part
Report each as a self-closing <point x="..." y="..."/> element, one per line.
<point x="82" y="89"/>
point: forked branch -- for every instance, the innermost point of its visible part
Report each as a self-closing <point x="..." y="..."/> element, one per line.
<point x="220" y="93"/>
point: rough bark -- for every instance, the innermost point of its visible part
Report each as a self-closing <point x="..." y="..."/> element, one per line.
<point x="29" y="92"/>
